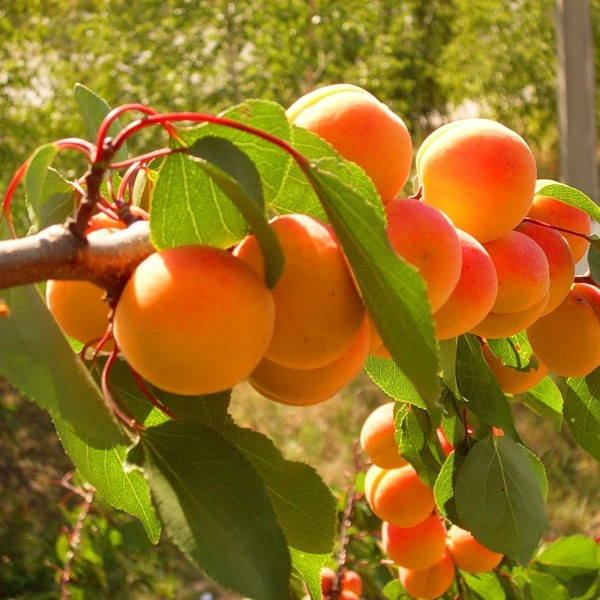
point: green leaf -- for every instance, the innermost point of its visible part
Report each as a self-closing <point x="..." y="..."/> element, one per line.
<point x="93" y="109"/>
<point x="582" y="411"/>
<point x="485" y="586"/>
<point x="388" y="376"/>
<point x="58" y="200"/>
<point x="392" y="290"/>
<point x="479" y="387"/>
<point x="216" y="509"/>
<point x="500" y="497"/>
<point x="308" y="566"/>
<point x="448" y="352"/>
<point x="35" y="179"/>
<point x="394" y="591"/>
<point x="593" y="259"/>
<point x="546" y="400"/>
<point x="572" y="196"/>
<point x="542" y="586"/>
<point x="514" y="351"/>
<point x="574" y="552"/>
<point x="237" y="176"/>
<point x="443" y="489"/>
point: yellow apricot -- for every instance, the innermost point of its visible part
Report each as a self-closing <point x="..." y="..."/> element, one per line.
<point x="431" y="583"/>
<point x="304" y="387"/>
<point x="512" y="381"/>
<point x="560" y="214"/>
<point x="194" y="320"/>
<point x="567" y="340"/>
<point x="468" y="554"/>
<point x="318" y="309"/>
<point x="362" y="129"/>
<point x="474" y="294"/>
<point x="523" y="272"/>
<point x="427" y="239"/>
<point x="398" y="496"/>
<point x="377" y="438"/>
<point x="418" y="547"/>
<point x="480" y="173"/>
<point x="560" y="261"/>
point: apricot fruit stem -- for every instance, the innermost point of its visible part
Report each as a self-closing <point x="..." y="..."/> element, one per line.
<point x="557" y="228"/>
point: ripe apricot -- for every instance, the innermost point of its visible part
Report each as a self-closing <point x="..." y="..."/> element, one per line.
<point x="480" y="173"/>
<point x="567" y="340"/>
<point x="398" y="496"/>
<point x="474" y="294"/>
<point x="377" y="438"/>
<point x="304" y="387"/>
<point x="352" y="582"/>
<point x="560" y="214"/>
<point x="590" y="293"/>
<point x="318" y="309"/>
<point x="431" y="583"/>
<point x="512" y="381"/>
<point x="560" y="261"/>
<point x="327" y="579"/>
<point x="418" y="547"/>
<point x="427" y="239"/>
<point x="468" y="554"/>
<point x="194" y="320"/>
<point x="362" y="129"/>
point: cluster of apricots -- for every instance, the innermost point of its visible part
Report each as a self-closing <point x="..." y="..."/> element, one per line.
<point x="413" y="534"/>
<point x="493" y="254"/>
<point x="350" y="584"/>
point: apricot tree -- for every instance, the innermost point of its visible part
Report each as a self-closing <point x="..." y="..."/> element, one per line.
<point x="269" y="256"/>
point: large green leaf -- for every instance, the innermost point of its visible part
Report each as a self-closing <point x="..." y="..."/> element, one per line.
<point x="444" y="487"/>
<point x="574" y="552"/>
<point x="484" y="586"/>
<point x="499" y="497"/>
<point x="582" y="411"/>
<point x="541" y="586"/>
<point x="546" y="400"/>
<point x="216" y="508"/>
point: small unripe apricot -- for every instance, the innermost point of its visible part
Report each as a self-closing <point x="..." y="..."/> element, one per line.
<point x="318" y="309"/>
<point x="560" y="214"/>
<point x="567" y="340"/>
<point x="468" y="554"/>
<point x="512" y="381"/>
<point x="480" y="173"/>
<point x="377" y="438"/>
<point x="431" y="583"/>
<point x="194" y="320"/>
<point x="398" y="496"/>
<point x="418" y="547"/>
<point x="304" y="387"/>
<point x="362" y="129"/>
<point x="474" y="295"/>
<point x="427" y="239"/>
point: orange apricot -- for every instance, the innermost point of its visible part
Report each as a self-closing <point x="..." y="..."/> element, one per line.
<point x="480" y="173"/>
<point x="567" y="340"/>
<point x="194" y="320"/>
<point x="474" y="294"/>
<point x="327" y="579"/>
<point x="352" y="582"/>
<point x="377" y="347"/>
<point x="560" y="214"/>
<point x="398" y="496"/>
<point x="318" y="309"/>
<point x="560" y="260"/>
<point x="362" y="129"/>
<point x="511" y="380"/>
<point x="304" y="387"/>
<point x="103" y="221"/>
<point x="430" y="583"/>
<point x="418" y="547"/>
<point x="468" y="554"/>
<point x="377" y="438"/>
<point x="427" y="239"/>
<point x="590" y="293"/>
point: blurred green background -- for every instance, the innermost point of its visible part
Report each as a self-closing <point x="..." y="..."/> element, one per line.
<point x="430" y="61"/>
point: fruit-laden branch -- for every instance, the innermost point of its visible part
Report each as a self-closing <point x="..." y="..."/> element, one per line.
<point x="56" y="253"/>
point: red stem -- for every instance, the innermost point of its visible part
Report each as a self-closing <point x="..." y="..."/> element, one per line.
<point x="143" y="158"/>
<point x="12" y="186"/>
<point x="556" y="227"/>
<point x="133" y="169"/>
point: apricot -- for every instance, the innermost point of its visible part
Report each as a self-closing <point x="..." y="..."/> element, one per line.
<point x="512" y="381"/>
<point x="377" y="347"/>
<point x="327" y="579"/>
<point x="567" y="340"/>
<point x="398" y="496"/>
<point x="560" y="214"/>
<point x="377" y="438"/>
<point x="352" y="582"/>
<point x="474" y="294"/>
<point x="194" y="320"/>
<point x="590" y="293"/>
<point x="425" y="237"/>
<point x="362" y="129"/>
<point x="468" y="554"/>
<point x="318" y="309"/>
<point x="560" y="260"/>
<point x="103" y="221"/>
<point x="418" y="547"/>
<point x="480" y="173"/>
<point x="304" y="387"/>
<point x="430" y="583"/>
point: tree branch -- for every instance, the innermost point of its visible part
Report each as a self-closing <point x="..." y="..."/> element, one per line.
<point x="56" y="253"/>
